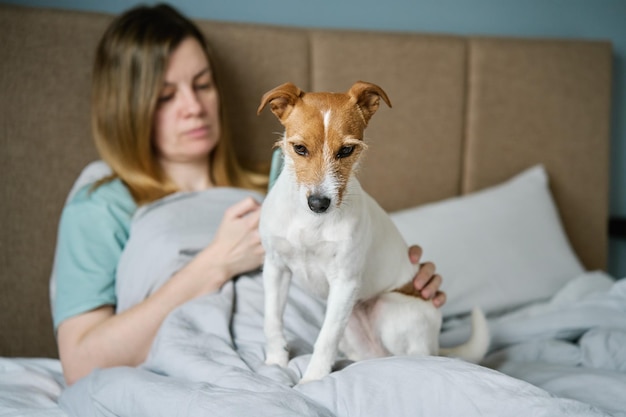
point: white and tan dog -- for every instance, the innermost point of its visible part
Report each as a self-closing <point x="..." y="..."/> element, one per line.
<point x="320" y="226"/>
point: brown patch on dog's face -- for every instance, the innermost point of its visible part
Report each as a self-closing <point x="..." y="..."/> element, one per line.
<point x="324" y="139"/>
<point x="323" y="136"/>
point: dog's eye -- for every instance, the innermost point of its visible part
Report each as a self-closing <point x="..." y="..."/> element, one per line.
<point x="300" y="150"/>
<point x="345" y="151"/>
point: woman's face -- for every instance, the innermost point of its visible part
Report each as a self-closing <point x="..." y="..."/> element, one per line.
<point x="187" y="124"/>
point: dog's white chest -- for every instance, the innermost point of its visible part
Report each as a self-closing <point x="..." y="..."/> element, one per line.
<point x="310" y="255"/>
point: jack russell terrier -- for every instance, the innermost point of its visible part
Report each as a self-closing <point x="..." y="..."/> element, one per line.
<point x="318" y="225"/>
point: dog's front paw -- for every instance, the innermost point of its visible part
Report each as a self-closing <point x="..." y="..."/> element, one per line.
<point x="277" y="356"/>
<point x="314" y="375"/>
<point x="305" y="380"/>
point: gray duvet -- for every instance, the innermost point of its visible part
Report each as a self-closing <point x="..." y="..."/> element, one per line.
<point x="566" y="357"/>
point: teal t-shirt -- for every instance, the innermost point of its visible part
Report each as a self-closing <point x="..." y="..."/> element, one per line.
<point x="93" y="231"/>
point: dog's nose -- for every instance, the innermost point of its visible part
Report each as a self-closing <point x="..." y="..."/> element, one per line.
<point x="318" y="204"/>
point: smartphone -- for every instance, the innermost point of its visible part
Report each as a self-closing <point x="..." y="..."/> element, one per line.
<point x="276" y="167"/>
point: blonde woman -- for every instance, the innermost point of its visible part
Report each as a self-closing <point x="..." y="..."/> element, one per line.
<point x="158" y="122"/>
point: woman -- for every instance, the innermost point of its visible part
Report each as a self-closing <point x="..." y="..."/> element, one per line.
<point x="159" y="123"/>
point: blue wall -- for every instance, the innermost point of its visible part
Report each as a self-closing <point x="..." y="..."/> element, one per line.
<point x="597" y="19"/>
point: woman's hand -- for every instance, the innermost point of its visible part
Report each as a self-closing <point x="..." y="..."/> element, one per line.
<point x="427" y="281"/>
<point x="101" y="339"/>
<point x="236" y="246"/>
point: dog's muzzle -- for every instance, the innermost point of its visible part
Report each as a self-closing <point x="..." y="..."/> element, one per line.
<point x="318" y="204"/>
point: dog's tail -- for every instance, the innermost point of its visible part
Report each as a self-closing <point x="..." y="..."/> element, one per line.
<point x="475" y="349"/>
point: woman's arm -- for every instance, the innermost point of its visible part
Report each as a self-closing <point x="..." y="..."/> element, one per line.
<point x="100" y="338"/>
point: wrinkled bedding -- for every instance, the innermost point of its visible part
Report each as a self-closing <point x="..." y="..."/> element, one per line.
<point x="30" y="387"/>
<point x="563" y="357"/>
<point x="208" y="359"/>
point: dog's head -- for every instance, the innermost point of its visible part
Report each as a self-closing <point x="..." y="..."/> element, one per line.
<point x="323" y="137"/>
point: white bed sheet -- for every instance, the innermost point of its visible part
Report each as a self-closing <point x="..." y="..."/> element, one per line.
<point x="30" y="387"/>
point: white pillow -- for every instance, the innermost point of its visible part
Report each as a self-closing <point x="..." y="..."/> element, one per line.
<point x="498" y="248"/>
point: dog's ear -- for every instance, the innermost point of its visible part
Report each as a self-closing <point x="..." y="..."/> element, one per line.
<point x="281" y="100"/>
<point x="367" y="97"/>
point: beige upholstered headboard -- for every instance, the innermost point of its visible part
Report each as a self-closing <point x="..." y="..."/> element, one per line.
<point x="467" y="113"/>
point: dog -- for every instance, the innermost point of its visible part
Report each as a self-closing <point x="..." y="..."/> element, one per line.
<point x="318" y="225"/>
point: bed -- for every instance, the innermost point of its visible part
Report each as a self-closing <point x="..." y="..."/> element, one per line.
<point x="494" y="158"/>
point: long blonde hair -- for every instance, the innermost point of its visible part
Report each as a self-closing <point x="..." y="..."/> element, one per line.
<point x="128" y="73"/>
